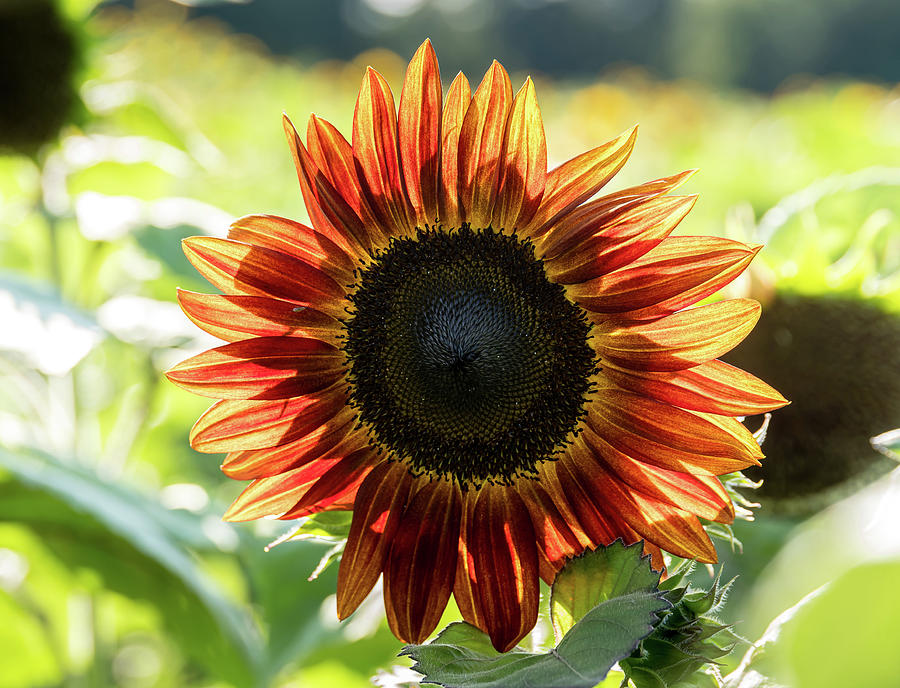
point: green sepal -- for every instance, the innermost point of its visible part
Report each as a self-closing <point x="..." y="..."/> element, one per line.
<point x="332" y="527"/>
<point x="687" y="643"/>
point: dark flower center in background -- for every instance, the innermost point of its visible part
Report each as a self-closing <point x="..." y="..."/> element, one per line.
<point x="40" y="56"/>
<point x="464" y="359"/>
<point x="837" y="358"/>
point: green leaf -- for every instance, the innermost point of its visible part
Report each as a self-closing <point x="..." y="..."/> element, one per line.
<point x="290" y="606"/>
<point x="888" y="443"/>
<point x="326" y="525"/>
<point x="595" y="577"/>
<point x="332" y="527"/>
<point x="842" y="634"/>
<point x="128" y="540"/>
<point x="462" y="656"/>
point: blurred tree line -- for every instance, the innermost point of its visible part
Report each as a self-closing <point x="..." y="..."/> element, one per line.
<point x="755" y="45"/>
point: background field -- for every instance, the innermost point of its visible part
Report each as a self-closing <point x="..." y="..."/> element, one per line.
<point x="115" y="568"/>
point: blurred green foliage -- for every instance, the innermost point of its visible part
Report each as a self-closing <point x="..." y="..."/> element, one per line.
<point x="115" y="569"/>
<point x="755" y="45"/>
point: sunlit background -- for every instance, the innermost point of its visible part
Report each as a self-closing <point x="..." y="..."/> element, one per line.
<point x="128" y="126"/>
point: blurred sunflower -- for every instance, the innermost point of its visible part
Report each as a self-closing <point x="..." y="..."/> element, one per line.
<point x="41" y="54"/>
<point x="492" y="371"/>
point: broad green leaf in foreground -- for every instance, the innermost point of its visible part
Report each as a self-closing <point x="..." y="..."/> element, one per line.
<point x="462" y="656"/>
<point x="842" y="634"/>
<point x="126" y="538"/>
<point x="596" y="577"/>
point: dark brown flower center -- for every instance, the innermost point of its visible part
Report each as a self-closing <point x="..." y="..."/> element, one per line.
<point x="465" y="360"/>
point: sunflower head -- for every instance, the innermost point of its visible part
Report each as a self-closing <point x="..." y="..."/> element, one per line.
<point x="40" y="53"/>
<point x="494" y="367"/>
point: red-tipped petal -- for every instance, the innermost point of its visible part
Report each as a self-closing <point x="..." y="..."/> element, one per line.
<point x="575" y="181"/>
<point x="261" y="368"/>
<point x="421" y="566"/>
<point x="556" y="540"/>
<point x="667" y="436"/>
<point x="463" y="585"/>
<point x="616" y="243"/>
<point x="280" y="494"/>
<point x="676" y="274"/>
<point x="419" y="124"/>
<point x="673" y="529"/>
<point x="294" y="239"/>
<point x="234" y="317"/>
<point x="377" y="152"/>
<point x="548" y="478"/>
<point x="736" y="431"/>
<point x="333" y="156"/>
<point x="678" y="341"/>
<point x="457" y="104"/>
<point x="236" y="425"/>
<point x="336" y="489"/>
<point x="594" y="217"/>
<point x="308" y="174"/>
<point x="380" y="503"/>
<point x="713" y="387"/>
<point x="501" y="540"/>
<point x="598" y="524"/>
<point x="341" y="222"/>
<point x="695" y="494"/>
<point x="233" y="266"/>
<point x="263" y="463"/>
<point x="480" y="146"/>
<point x="523" y="166"/>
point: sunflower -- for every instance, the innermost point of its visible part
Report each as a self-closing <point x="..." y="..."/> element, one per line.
<point x="494" y="372"/>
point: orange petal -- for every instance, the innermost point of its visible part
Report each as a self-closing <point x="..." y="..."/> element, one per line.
<point x="419" y="124"/>
<point x="312" y="183"/>
<point x="421" y="566"/>
<point x="555" y="537"/>
<point x="597" y="523"/>
<point x="676" y="274"/>
<point x="463" y="590"/>
<point x="337" y="488"/>
<point x="294" y="239"/>
<point x="501" y="540"/>
<point x="673" y="529"/>
<point x="736" y="431"/>
<point x="279" y="494"/>
<point x="235" y="425"/>
<point x="480" y="146"/>
<point x="375" y="146"/>
<point x="263" y="463"/>
<point x="458" y="98"/>
<point x="261" y="368"/>
<point x="548" y="480"/>
<point x="678" y="341"/>
<point x="666" y="436"/>
<point x="742" y="255"/>
<point x="234" y="317"/>
<point x="625" y="237"/>
<point x="380" y="503"/>
<point x="575" y="181"/>
<point x="236" y="267"/>
<point x="591" y="218"/>
<point x="695" y="494"/>
<point x="523" y="167"/>
<point x="333" y="156"/>
<point x="714" y="387"/>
